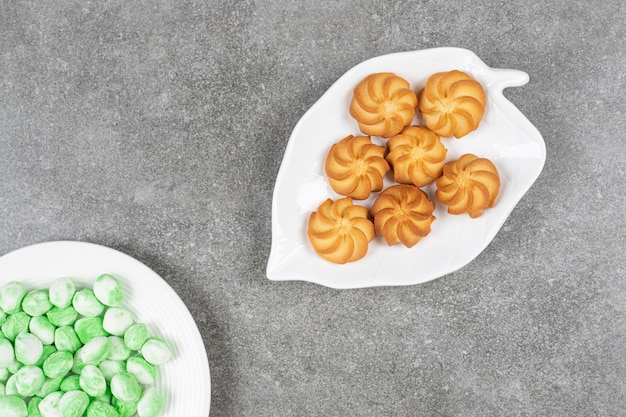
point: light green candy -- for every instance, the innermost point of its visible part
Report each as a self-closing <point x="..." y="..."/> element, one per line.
<point x="50" y="385"/>
<point x="4" y="374"/>
<point x="15" y="366"/>
<point x="9" y="387"/>
<point x="15" y="324"/>
<point x="145" y="373"/>
<point x="125" y="387"/>
<point x="110" y="368"/>
<point x="65" y="338"/>
<point x="58" y="364"/>
<point x="151" y="403"/>
<point x="36" y="303"/>
<point x="47" y="351"/>
<point x="92" y="381"/>
<point x="124" y="408"/>
<point x="28" y="348"/>
<point x="49" y="405"/>
<point x="29" y="380"/>
<point x="89" y="327"/>
<point x="78" y="365"/>
<point x="136" y="336"/>
<point x="156" y="351"/>
<point x="65" y="316"/>
<point x="12" y="406"/>
<point x="117" y="320"/>
<point x="42" y="328"/>
<point x="70" y="383"/>
<point x="11" y="296"/>
<point x="33" y="407"/>
<point x="99" y="408"/>
<point x="3" y="316"/>
<point x="61" y="292"/>
<point x="86" y="303"/>
<point x="73" y="403"/>
<point x="95" y="351"/>
<point x="118" y="350"/>
<point x="7" y="352"/>
<point x="108" y="290"/>
<point x="3" y="389"/>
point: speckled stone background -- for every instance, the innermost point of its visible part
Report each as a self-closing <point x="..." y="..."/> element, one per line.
<point x="158" y="127"/>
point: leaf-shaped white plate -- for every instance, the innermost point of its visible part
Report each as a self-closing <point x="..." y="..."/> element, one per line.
<point x="185" y="380"/>
<point x="505" y="136"/>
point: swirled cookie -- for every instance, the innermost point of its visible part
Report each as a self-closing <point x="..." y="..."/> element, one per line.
<point x="452" y="103"/>
<point x="355" y="167"/>
<point x="416" y="155"/>
<point x="339" y="231"/>
<point x="403" y="214"/>
<point x="383" y="104"/>
<point x="468" y="185"/>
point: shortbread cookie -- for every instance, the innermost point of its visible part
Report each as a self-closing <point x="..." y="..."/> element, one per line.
<point x="403" y="214"/>
<point x="383" y="104"/>
<point x="416" y="155"/>
<point x="340" y="231"/>
<point x="468" y="185"/>
<point x="355" y="167"/>
<point x="452" y="103"/>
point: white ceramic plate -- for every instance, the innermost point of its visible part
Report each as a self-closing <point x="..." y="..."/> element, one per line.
<point x="505" y="136"/>
<point x="185" y="380"/>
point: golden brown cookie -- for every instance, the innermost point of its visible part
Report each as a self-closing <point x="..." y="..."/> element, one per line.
<point x="339" y="231"/>
<point x="383" y="104"/>
<point x="468" y="185"/>
<point x="403" y="214"/>
<point x="355" y="167"/>
<point x="416" y="155"/>
<point x="452" y="103"/>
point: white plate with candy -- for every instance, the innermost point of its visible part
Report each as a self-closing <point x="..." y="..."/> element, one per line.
<point x="185" y="379"/>
<point x="505" y="136"/>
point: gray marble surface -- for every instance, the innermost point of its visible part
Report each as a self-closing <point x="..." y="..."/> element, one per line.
<point x="157" y="128"/>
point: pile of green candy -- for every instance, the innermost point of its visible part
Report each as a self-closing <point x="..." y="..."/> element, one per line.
<point x="69" y="352"/>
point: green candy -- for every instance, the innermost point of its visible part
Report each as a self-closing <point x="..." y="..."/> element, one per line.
<point x="7" y="352"/>
<point x="65" y="338"/>
<point x="4" y="374"/>
<point x="28" y="348"/>
<point x="145" y="373"/>
<point x="117" y="320"/>
<point x="136" y="336"/>
<point x="65" y="316"/>
<point x="29" y="380"/>
<point x="108" y="290"/>
<point x="95" y="351"/>
<point x="99" y="408"/>
<point x="124" y="408"/>
<point x="70" y="383"/>
<point x="61" y="292"/>
<point x="156" y="351"/>
<point x="73" y="403"/>
<point x="92" y="381"/>
<point x="36" y="303"/>
<point x="78" y="362"/>
<point x="118" y="350"/>
<point x="58" y="364"/>
<point x="42" y="328"/>
<point x="11" y="296"/>
<point x="86" y="303"/>
<point x="89" y="327"/>
<point x="151" y="403"/>
<point x="14" y="366"/>
<point x="15" y="324"/>
<point x="47" y="351"/>
<point x="50" y="385"/>
<point x="49" y="405"/>
<point x="33" y="407"/>
<point x="12" y="406"/>
<point x="111" y="367"/>
<point x="9" y="387"/>
<point x="125" y="387"/>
